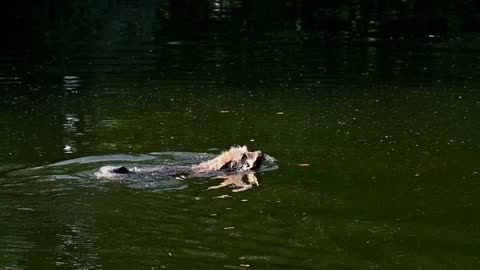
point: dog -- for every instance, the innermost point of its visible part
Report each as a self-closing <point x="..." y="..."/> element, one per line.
<point x="237" y="160"/>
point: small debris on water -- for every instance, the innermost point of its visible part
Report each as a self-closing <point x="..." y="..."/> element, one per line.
<point x="244" y="200"/>
<point x="303" y="164"/>
<point x="244" y="265"/>
<point x="222" y="197"/>
<point x="280" y="113"/>
<point x="25" y="209"/>
<point x="229" y="228"/>
<point x="224" y="111"/>
<point x="68" y="149"/>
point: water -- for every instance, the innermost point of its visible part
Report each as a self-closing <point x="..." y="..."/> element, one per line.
<point x="377" y="143"/>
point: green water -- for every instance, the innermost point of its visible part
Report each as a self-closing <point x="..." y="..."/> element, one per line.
<point x="389" y="131"/>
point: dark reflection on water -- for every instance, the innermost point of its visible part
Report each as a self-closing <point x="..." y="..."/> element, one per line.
<point x="388" y="128"/>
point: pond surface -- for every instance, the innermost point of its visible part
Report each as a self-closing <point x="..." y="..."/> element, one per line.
<point x="378" y="144"/>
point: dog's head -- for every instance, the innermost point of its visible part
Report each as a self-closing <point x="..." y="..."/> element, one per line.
<point x="242" y="160"/>
<point x="250" y="161"/>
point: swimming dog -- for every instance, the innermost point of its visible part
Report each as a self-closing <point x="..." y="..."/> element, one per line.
<point x="238" y="159"/>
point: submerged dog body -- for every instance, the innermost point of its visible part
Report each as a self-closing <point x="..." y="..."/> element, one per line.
<point x="236" y="160"/>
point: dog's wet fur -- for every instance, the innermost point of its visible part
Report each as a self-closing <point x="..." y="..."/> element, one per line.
<point x="238" y="159"/>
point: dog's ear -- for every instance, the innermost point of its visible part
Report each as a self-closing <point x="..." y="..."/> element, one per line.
<point x="226" y="166"/>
